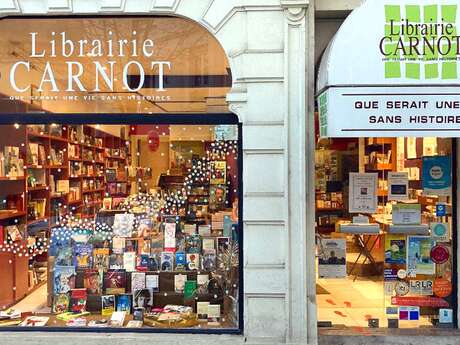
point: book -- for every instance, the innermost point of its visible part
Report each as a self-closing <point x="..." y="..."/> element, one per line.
<point x="222" y="244"/>
<point x="71" y="315"/>
<point x="137" y="281"/>
<point x="204" y="230"/>
<point x="35" y="321"/>
<point x="193" y="243"/>
<point x="214" y="313"/>
<point x="123" y="224"/>
<point x="124" y="303"/>
<point x="62" y="186"/>
<point x="108" y="305"/>
<point x="64" y="279"/>
<point x="202" y="283"/>
<point x="202" y="310"/>
<point x="99" y="323"/>
<point x="78" y="298"/>
<point x="190" y="288"/>
<point x="145" y="227"/>
<point x="179" y="282"/>
<point x="193" y="261"/>
<point x="208" y="243"/>
<point x="129" y="261"/>
<point x="153" y="263"/>
<point x="116" y="261"/>
<point x="13" y="232"/>
<point x="115" y="281"/>
<point x="134" y="324"/>
<point x="77" y="322"/>
<point x="208" y="260"/>
<point x="181" y="262"/>
<point x="92" y="281"/>
<point x="101" y="258"/>
<point x="118" y="245"/>
<point x="117" y="319"/>
<point x="170" y="236"/>
<point x="167" y="261"/>
<point x="143" y="298"/>
<point x="61" y="303"/>
<point x="152" y="282"/>
<point x="83" y="255"/>
<point x="32" y="154"/>
<point x="190" y="229"/>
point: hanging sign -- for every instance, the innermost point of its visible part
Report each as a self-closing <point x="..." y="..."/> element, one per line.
<point x="395" y="75"/>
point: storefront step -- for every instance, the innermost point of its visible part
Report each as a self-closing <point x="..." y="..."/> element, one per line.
<point x="367" y="336"/>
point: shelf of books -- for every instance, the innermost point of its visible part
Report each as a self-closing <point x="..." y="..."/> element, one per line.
<point x="47" y="172"/>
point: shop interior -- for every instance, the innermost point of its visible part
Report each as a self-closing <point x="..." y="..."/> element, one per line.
<point x="113" y="225"/>
<point x="389" y="266"/>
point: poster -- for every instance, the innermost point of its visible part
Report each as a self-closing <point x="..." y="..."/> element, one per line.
<point x="440" y="231"/>
<point x="398" y="185"/>
<point x="363" y="193"/>
<point x="395" y="249"/>
<point x="332" y="261"/>
<point x="418" y="255"/>
<point x="437" y="175"/>
<point x="406" y="214"/>
<point x="170" y="235"/>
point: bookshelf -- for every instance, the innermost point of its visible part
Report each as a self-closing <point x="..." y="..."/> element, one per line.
<point x="46" y="172"/>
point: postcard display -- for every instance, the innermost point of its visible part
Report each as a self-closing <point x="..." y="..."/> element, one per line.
<point x="148" y="262"/>
<point x="414" y="217"/>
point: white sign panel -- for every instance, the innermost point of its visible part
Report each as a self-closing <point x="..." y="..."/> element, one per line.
<point x="398" y="185"/>
<point x="391" y="112"/>
<point x="363" y="193"/>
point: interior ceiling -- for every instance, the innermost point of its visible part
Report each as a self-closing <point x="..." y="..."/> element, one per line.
<point x="191" y="50"/>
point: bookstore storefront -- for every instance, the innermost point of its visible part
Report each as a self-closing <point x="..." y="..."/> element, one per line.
<point x="386" y="168"/>
<point x="120" y="176"/>
<point x="128" y="130"/>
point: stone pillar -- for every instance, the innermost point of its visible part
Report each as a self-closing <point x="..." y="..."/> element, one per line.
<point x="300" y="274"/>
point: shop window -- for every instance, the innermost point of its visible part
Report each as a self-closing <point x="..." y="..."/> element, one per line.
<point x="386" y="232"/>
<point x="133" y="222"/>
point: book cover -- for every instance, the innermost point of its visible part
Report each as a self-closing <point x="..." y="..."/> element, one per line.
<point x="124" y="303"/>
<point x="208" y="244"/>
<point x="204" y="230"/>
<point x="153" y="263"/>
<point x="117" y="319"/>
<point x="222" y="244"/>
<point x="64" y="279"/>
<point x="193" y="243"/>
<point x="115" y="281"/>
<point x="214" y="313"/>
<point x="137" y="281"/>
<point x="143" y="298"/>
<point x="179" y="282"/>
<point x="167" y="261"/>
<point x="108" y="305"/>
<point x="78" y="298"/>
<point x="123" y="224"/>
<point x="193" y="261"/>
<point x="61" y="303"/>
<point x="145" y="227"/>
<point x="134" y="324"/>
<point x="35" y="321"/>
<point x="118" y="245"/>
<point x="181" y="262"/>
<point x="71" y="315"/>
<point x="143" y="261"/>
<point x="202" y="310"/>
<point x="152" y="282"/>
<point x="83" y="255"/>
<point x="101" y="258"/>
<point x="129" y="261"/>
<point x="202" y="283"/>
<point x="116" y="261"/>
<point x="208" y="260"/>
<point x="92" y="281"/>
<point x="190" y="288"/>
<point x="170" y="236"/>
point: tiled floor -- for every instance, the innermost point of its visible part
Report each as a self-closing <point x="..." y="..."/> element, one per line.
<point x="351" y="304"/>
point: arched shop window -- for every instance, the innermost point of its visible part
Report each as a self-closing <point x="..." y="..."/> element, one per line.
<point x="120" y="176"/>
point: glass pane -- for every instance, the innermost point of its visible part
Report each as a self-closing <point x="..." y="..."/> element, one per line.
<point x="104" y="225"/>
<point x="391" y="265"/>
